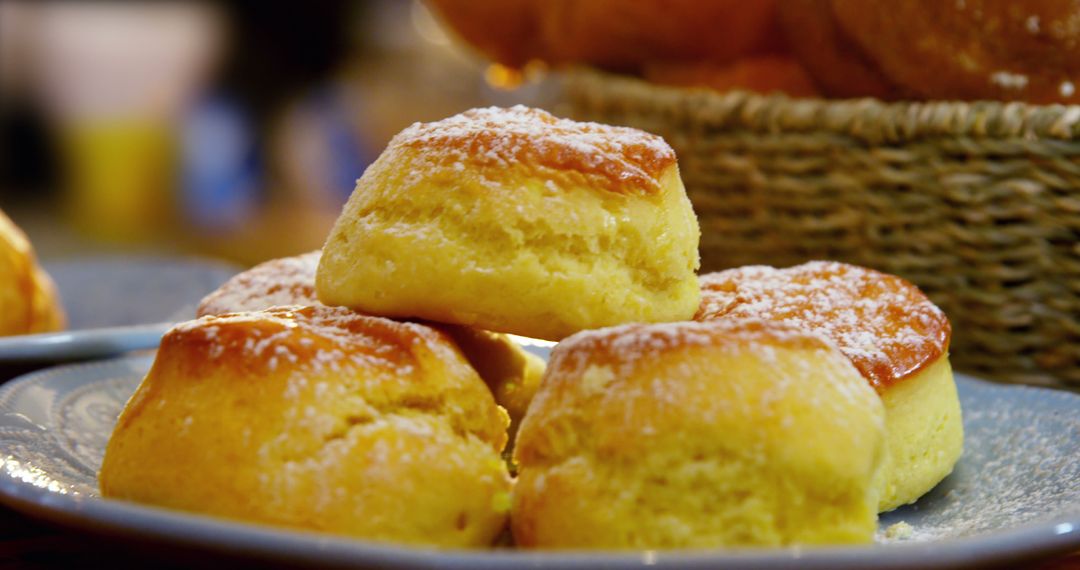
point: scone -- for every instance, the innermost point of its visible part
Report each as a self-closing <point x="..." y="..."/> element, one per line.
<point x="894" y="335"/>
<point x="698" y="435"/>
<point x="511" y="372"/>
<point x="28" y="299"/>
<point x="316" y="418"/>
<point x="275" y="283"/>
<point x="512" y="220"/>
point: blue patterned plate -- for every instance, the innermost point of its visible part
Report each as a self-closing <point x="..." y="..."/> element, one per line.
<point x="1015" y="495"/>
<point x="118" y="304"/>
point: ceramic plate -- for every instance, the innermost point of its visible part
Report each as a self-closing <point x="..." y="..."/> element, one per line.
<point x="118" y="304"/>
<point x="1014" y="495"/>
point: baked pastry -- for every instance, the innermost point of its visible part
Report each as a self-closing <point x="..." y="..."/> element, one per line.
<point x="971" y="49"/>
<point x="837" y="65"/>
<point x="278" y="282"/>
<point x="46" y="313"/>
<point x="611" y="34"/>
<point x="896" y="337"/>
<point x="316" y="418"/>
<point x="511" y="372"/>
<point x="28" y="299"/>
<point x="762" y="74"/>
<point x="698" y="435"/>
<point x="515" y="221"/>
<point x="625" y="35"/>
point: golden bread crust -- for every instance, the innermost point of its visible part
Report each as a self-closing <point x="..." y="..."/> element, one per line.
<point x="837" y="65"/>
<point x="765" y="74"/>
<point x="28" y="299"/>
<point x="884" y="324"/>
<point x="614" y="35"/>
<point x="449" y="225"/>
<point x="16" y="285"/>
<point x="975" y="49"/>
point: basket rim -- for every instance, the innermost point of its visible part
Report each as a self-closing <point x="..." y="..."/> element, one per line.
<point x="869" y="119"/>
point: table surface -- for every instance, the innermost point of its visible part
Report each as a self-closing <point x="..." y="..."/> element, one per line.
<point x="28" y="543"/>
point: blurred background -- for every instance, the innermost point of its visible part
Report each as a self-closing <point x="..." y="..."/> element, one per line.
<point x="229" y="129"/>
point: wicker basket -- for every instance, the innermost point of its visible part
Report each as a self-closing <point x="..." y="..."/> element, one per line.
<point x="977" y="203"/>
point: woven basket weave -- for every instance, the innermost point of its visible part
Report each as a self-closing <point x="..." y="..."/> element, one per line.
<point x="977" y="203"/>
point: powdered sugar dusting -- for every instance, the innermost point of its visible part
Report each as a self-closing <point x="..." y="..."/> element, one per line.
<point x="884" y="324"/>
<point x="286" y="281"/>
<point x="624" y="347"/>
<point x="627" y="159"/>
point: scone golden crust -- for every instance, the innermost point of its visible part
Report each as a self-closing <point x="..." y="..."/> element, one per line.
<point x="47" y="313"/>
<point x="316" y="418"/>
<point x="278" y="282"/>
<point x="28" y="299"/>
<point x="511" y="372"/>
<point x="894" y="335"/>
<point x="884" y="324"/>
<point x="16" y="283"/>
<point x="512" y="220"/>
<point x="698" y="435"/>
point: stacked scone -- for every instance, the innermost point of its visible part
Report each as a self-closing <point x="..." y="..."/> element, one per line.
<point x="364" y="389"/>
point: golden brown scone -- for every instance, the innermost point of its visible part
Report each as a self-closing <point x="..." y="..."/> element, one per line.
<point x="285" y="281"/>
<point x="28" y="299"/>
<point x="971" y="49"/>
<point x="515" y="221"/>
<point x="47" y="314"/>
<point x="837" y="65"/>
<point x="316" y="418"/>
<point x="761" y="74"/>
<point x="896" y="337"/>
<point x="611" y="34"/>
<point x="698" y="435"/>
<point x="511" y="372"/>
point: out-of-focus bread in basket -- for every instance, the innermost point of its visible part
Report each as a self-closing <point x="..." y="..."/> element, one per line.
<point x="613" y="34"/>
<point x="761" y="74"/>
<point x="971" y="49"/>
<point x="28" y="299"/>
<point x="836" y="64"/>
<point x="932" y="49"/>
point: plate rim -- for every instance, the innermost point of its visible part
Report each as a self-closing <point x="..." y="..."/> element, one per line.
<point x="1030" y="540"/>
<point x="103" y="342"/>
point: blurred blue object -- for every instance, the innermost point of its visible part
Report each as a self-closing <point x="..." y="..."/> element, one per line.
<point x="349" y="155"/>
<point x="220" y="166"/>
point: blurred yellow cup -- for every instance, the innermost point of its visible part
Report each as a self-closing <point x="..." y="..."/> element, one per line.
<point x="122" y="178"/>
